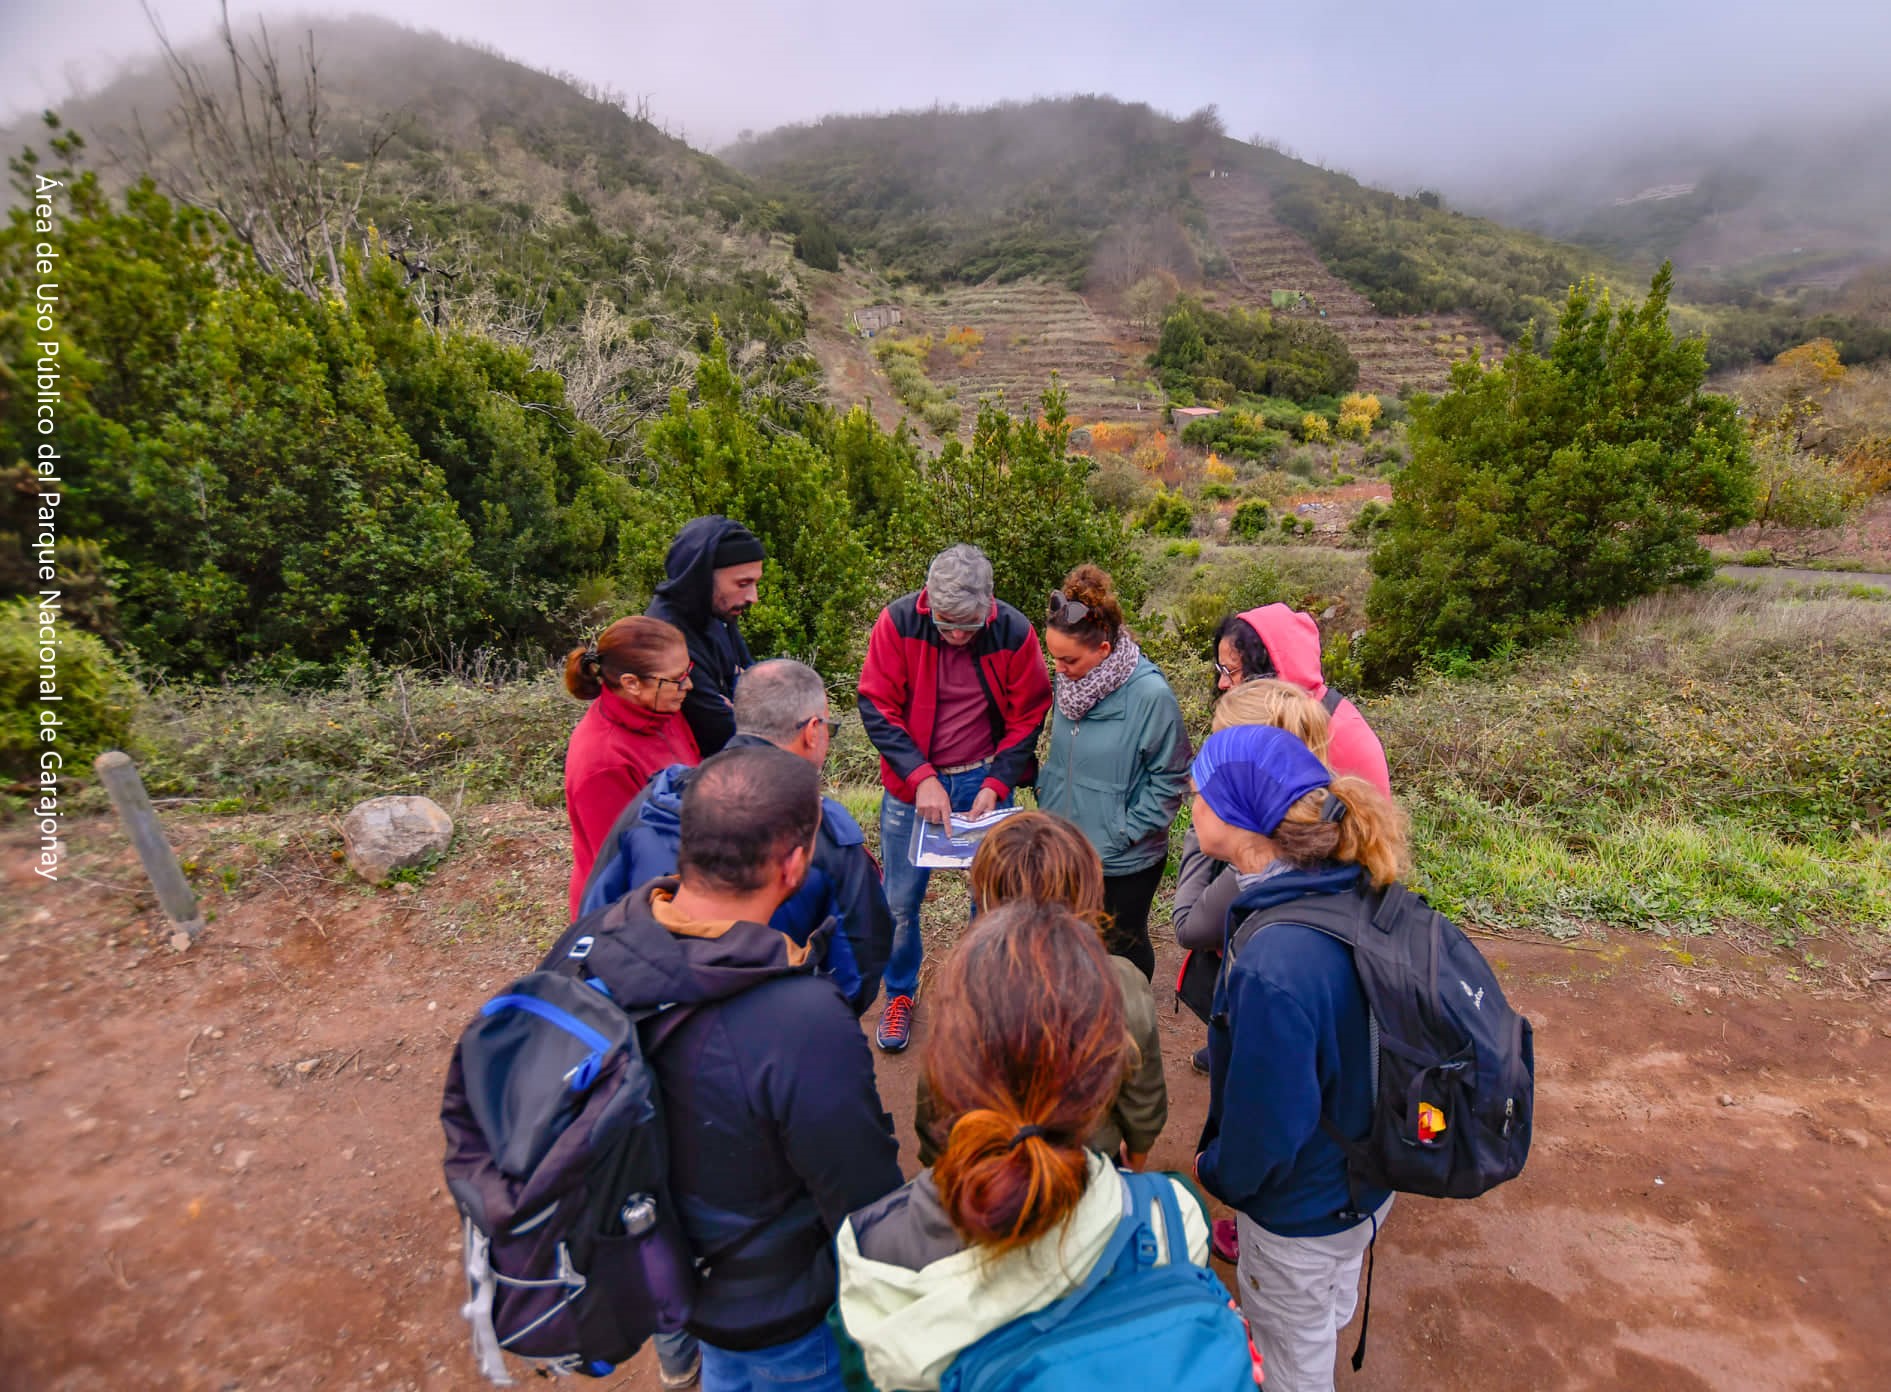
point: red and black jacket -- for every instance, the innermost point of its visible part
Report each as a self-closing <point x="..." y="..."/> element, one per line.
<point x="899" y="691"/>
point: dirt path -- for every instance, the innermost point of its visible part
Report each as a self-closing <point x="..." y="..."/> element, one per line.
<point x="223" y="1165"/>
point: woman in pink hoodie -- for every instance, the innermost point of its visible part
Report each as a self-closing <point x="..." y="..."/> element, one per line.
<point x="1275" y="641"/>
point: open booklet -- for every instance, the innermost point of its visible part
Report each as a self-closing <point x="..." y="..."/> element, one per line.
<point x="952" y="847"/>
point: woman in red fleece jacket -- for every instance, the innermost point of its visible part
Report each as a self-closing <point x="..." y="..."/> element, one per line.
<point x="635" y="676"/>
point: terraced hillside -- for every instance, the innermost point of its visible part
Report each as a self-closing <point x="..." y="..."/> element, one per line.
<point x="1395" y="354"/>
<point x="1022" y="332"/>
<point x="1030" y="329"/>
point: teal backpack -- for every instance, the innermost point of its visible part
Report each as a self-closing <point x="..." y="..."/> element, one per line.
<point x="1131" y="1323"/>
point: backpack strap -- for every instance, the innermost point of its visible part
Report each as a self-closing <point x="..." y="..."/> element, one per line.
<point x="1331" y="700"/>
<point x="1133" y="1244"/>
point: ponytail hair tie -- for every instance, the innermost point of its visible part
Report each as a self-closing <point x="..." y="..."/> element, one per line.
<point x="590" y="658"/>
<point x="1025" y="1133"/>
<point x="1334" y="811"/>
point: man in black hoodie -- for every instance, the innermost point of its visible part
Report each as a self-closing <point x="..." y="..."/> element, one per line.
<point x="714" y="569"/>
<point x="775" y="1125"/>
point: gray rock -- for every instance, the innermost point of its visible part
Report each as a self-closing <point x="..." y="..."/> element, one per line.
<point x="386" y="834"/>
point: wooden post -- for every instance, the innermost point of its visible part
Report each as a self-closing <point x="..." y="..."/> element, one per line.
<point x="121" y="780"/>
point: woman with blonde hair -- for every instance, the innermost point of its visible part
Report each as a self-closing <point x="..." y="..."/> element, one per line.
<point x="1291" y="1051"/>
<point x="1036" y="856"/>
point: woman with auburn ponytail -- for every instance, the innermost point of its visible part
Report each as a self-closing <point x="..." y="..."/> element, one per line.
<point x="1289" y="1040"/>
<point x="635" y="675"/>
<point x="1027" y="1050"/>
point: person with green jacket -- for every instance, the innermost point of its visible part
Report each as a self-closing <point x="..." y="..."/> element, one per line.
<point x="1118" y="763"/>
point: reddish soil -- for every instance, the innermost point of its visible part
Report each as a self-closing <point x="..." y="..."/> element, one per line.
<point x="223" y="1163"/>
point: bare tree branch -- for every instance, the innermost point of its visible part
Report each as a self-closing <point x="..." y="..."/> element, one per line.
<point x="259" y="155"/>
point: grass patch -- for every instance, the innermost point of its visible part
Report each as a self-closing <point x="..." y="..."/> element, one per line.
<point x="1704" y="760"/>
<point x="384" y="731"/>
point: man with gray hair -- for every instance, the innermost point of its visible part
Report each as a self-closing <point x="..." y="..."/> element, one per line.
<point x="781" y="703"/>
<point x="953" y="694"/>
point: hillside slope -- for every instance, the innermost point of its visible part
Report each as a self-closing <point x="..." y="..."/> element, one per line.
<point x="1396" y="353"/>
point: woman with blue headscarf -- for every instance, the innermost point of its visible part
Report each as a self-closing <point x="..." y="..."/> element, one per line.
<point x="1289" y="1045"/>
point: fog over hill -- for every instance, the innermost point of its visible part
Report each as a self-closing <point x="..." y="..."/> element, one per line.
<point x="1482" y="92"/>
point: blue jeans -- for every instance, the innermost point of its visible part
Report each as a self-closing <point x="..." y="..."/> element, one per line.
<point x="906" y="882"/>
<point x="675" y="1351"/>
<point x="811" y="1362"/>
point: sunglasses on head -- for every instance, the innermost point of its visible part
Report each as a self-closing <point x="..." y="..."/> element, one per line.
<point x="1067" y="610"/>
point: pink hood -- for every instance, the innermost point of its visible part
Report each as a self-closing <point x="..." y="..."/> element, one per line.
<point x="1292" y="639"/>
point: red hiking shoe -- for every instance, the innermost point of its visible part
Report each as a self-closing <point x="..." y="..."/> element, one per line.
<point x="896" y="1025"/>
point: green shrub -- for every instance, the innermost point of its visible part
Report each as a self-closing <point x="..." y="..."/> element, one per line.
<point x="1234" y="433"/>
<point x="942" y="416"/>
<point x="1551" y="487"/>
<point x="1191" y="550"/>
<point x="1251" y="519"/>
<point x="1371" y="518"/>
<point x="97" y="699"/>
<point x="1289" y="524"/>
<point x="1250" y="351"/>
<point x="1217" y="492"/>
<point x="1168" y="514"/>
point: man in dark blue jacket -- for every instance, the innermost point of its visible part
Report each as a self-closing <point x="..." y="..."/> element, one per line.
<point x="714" y="571"/>
<point x="781" y="703"/>
<point x="775" y="1126"/>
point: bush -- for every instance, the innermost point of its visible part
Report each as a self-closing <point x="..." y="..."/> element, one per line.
<point x="1217" y="354"/>
<point x="1798" y="488"/>
<point x="97" y="699"/>
<point x="1216" y="492"/>
<point x="1236" y="433"/>
<point x="1314" y="429"/>
<point x="1019" y="495"/>
<point x="1168" y="514"/>
<point x="1191" y="550"/>
<point x="1373" y="517"/>
<point x="942" y="416"/>
<point x="1289" y="524"/>
<point x="1117" y="484"/>
<point x="1251" y="520"/>
<point x="1550" y="487"/>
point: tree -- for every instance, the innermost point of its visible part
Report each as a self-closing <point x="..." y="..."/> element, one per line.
<point x="1550" y="487"/>
<point x="262" y="158"/>
<point x="1020" y="496"/>
<point x="816" y="245"/>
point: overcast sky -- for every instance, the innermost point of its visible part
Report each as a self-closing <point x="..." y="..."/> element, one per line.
<point x="1398" y="91"/>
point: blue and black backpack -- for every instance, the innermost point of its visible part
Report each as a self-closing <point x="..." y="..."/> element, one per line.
<point x="1132" y="1323"/>
<point x="1454" y="1066"/>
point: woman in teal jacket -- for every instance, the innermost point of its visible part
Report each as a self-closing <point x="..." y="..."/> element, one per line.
<point x="1118" y="762"/>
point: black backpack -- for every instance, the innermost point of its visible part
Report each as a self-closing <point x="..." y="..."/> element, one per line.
<point x="1454" y="1067"/>
<point x="559" y="1162"/>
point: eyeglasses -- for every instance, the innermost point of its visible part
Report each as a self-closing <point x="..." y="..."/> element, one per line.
<point x="833" y="725"/>
<point x="678" y="682"/>
<point x="1231" y="673"/>
<point x="1065" y="610"/>
<point x="948" y="626"/>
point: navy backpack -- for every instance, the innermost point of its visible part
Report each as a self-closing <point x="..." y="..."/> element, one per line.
<point x="1454" y="1066"/>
